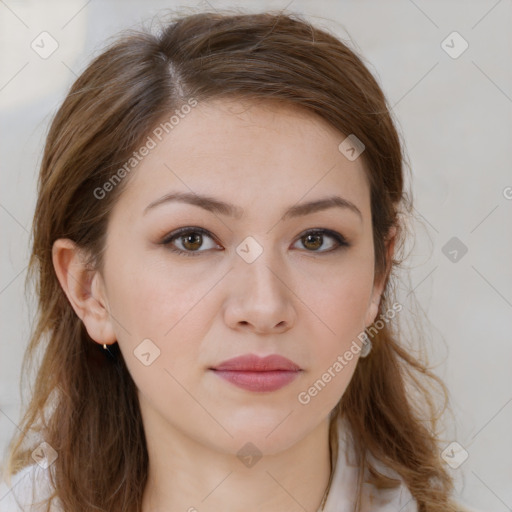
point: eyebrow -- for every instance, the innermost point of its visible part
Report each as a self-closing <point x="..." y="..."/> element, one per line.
<point x="216" y="206"/>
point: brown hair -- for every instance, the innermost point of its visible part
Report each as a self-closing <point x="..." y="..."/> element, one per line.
<point x="111" y="108"/>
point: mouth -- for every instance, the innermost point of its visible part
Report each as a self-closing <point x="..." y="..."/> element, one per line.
<point x="253" y="373"/>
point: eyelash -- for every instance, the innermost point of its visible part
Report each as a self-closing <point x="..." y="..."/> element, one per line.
<point x="167" y="241"/>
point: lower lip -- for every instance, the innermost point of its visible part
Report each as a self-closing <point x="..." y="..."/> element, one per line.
<point x="258" y="381"/>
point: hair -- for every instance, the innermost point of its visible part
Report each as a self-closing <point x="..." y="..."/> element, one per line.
<point x="123" y="94"/>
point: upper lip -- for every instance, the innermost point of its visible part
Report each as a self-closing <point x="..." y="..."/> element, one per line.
<point x="254" y="363"/>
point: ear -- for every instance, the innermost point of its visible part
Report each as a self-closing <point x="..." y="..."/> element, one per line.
<point x="84" y="289"/>
<point x="378" y="286"/>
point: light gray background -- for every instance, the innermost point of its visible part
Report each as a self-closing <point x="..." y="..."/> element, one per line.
<point x="455" y="118"/>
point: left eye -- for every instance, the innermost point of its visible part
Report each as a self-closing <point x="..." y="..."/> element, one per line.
<point x="314" y="239"/>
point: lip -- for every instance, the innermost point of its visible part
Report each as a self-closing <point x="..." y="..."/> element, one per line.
<point x="259" y="374"/>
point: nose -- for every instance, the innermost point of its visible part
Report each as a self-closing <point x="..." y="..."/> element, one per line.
<point x="261" y="300"/>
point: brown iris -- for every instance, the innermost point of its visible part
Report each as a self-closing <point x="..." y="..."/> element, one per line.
<point x="193" y="241"/>
<point x="315" y="239"/>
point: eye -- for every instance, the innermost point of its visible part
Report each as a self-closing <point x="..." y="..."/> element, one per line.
<point x="314" y="239"/>
<point x="190" y="239"/>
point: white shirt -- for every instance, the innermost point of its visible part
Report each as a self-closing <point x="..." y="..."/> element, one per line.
<point x="342" y="494"/>
<point x="32" y="484"/>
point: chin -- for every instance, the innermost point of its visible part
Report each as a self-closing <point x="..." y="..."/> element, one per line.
<point x="270" y="434"/>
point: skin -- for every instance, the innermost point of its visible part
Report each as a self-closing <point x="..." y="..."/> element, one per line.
<point x="296" y="299"/>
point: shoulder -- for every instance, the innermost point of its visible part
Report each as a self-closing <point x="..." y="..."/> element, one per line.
<point x="375" y="500"/>
<point x="345" y="480"/>
<point x="27" y="491"/>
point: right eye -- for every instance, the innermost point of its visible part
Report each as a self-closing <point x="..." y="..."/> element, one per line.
<point x="190" y="238"/>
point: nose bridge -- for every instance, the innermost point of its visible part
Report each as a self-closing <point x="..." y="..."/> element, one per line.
<point x="261" y="274"/>
<point x="260" y="295"/>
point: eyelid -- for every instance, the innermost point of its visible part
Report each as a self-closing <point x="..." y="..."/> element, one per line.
<point x="186" y="229"/>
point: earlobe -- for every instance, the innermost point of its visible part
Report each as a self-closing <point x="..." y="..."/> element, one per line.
<point x="83" y="289"/>
<point x="371" y="314"/>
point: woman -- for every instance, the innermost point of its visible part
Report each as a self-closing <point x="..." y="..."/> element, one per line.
<point x="218" y="219"/>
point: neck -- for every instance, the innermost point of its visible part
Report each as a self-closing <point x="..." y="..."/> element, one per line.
<point x="187" y="476"/>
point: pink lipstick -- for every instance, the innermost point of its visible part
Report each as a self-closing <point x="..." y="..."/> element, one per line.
<point x="255" y="373"/>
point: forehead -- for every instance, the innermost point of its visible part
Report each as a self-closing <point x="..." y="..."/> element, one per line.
<point x="252" y="153"/>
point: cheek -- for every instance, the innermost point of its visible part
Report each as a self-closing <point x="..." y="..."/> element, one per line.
<point x="336" y="348"/>
<point x="171" y="309"/>
<point x="340" y="298"/>
<point x="154" y="299"/>
<point x="340" y="308"/>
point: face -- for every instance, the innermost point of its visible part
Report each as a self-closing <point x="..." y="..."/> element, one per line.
<point x="203" y="283"/>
